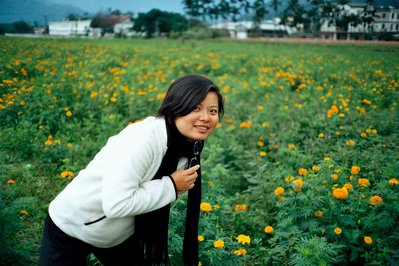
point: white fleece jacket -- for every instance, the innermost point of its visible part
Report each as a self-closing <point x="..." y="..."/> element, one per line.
<point x="99" y="205"/>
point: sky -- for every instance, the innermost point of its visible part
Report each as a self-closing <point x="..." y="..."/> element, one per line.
<point x="136" y="6"/>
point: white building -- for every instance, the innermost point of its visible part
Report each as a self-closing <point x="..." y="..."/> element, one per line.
<point x="386" y="19"/>
<point x="241" y="29"/>
<point x="69" y="28"/>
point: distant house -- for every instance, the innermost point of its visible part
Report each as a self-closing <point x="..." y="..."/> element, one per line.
<point x="386" y="20"/>
<point x="122" y="24"/>
<point x="242" y="29"/>
<point x="69" y="28"/>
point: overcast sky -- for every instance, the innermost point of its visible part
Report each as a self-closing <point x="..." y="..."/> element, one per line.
<point x="135" y="6"/>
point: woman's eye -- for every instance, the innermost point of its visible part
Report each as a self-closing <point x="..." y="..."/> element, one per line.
<point x="214" y="111"/>
<point x="196" y="109"/>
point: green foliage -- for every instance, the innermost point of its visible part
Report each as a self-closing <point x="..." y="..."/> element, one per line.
<point x="297" y="119"/>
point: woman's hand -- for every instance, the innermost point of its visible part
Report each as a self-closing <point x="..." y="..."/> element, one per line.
<point x="184" y="179"/>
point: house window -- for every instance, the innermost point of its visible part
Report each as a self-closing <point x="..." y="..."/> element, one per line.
<point x="397" y="27"/>
<point x="382" y="26"/>
<point x="393" y="15"/>
<point x="383" y="15"/>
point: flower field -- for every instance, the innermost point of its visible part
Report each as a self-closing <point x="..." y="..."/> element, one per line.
<point x="302" y="170"/>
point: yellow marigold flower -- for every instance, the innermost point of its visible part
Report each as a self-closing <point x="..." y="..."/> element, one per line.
<point x="393" y="181"/>
<point x="261" y="143"/>
<point x="338" y="231"/>
<point x="368" y="240"/>
<point x="315" y="168"/>
<point x="201" y="238"/>
<point x="348" y="186"/>
<point x="243" y="239"/>
<point x="302" y="171"/>
<point x="318" y="214"/>
<point x="291" y="147"/>
<point x="23" y="212"/>
<point x="216" y="207"/>
<point x="218" y="243"/>
<point x="262" y="153"/>
<point x="205" y="207"/>
<point x="375" y="200"/>
<point x="10" y="181"/>
<point x="66" y="174"/>
<point x="374" y="131"/>
<point x="265" y="124"/>
<point x="289" y="179"/>
<point x="68" y="113"/>
<point x="278" y="191"/>
<point x="350" y="143"/>
<point x="268" y="229"/>
<point x="321" y="135"/>
<point x="327" y="159"/>
<point x="355" y="170"/>
<point x="363" y="182"/>
<point x="340" y="193"/>
<point x="260" y="107"/>
<point x="240" y="207"/>
<point x="240" y="252"/>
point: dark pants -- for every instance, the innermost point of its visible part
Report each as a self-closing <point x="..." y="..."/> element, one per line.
<point x="59" y="249"/>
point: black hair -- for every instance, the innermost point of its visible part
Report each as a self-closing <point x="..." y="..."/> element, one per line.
<point x="185" y="94"/>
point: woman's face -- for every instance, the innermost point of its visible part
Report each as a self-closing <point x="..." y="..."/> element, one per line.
<point x="200" y="123"/>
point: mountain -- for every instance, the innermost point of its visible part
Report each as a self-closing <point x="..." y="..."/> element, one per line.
<point x="35" y="11"/>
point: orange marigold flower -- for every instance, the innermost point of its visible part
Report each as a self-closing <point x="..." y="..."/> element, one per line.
<point x="393" y="181"/>
<point x="23" y="212"/>
<point x="261" y="143"/>
<point x="218" y="243"/>
<point x="240" y="207"/>
<point x="302" y="171"/>
<point x="340" y="193"/>
<point x="278" y="191"/>
<point x="10" y="181"/>
<point x="291" y="147"/>
<point x="318" y="214"/>
<point x="298" y="183"/>
<point x="363" y="182"/>
<point x="350" y="143"/>
<point x="240" y="252"/>
<point x="201" y="238"/>
<point x="368" y="240"/>
<point x="334" y="176"/>
<point x="375" y="200"/>
<point x="205" y="207"/>
<point x="348" y="186"/>
<point x="355" y="170"/>
<point x="338" y="231"/>
<point x="268" y="229"/>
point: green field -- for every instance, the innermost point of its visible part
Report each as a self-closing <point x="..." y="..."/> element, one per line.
<point x="303" y="169"/>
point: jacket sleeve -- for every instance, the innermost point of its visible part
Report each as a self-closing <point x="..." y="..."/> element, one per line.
<point x="132" y="158"/>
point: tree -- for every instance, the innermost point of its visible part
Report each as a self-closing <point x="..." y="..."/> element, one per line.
<point x="159" y="22"/>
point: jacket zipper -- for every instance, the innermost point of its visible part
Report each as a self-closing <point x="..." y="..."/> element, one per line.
<point x="95" y="221"/>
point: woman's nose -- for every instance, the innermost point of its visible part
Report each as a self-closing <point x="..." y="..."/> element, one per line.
<point x="204" y="115"/>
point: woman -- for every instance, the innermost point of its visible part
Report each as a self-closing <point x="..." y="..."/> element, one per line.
<point x="118" y="206"/>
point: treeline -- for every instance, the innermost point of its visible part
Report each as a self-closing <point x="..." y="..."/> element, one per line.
<point x="306" y="15"/>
